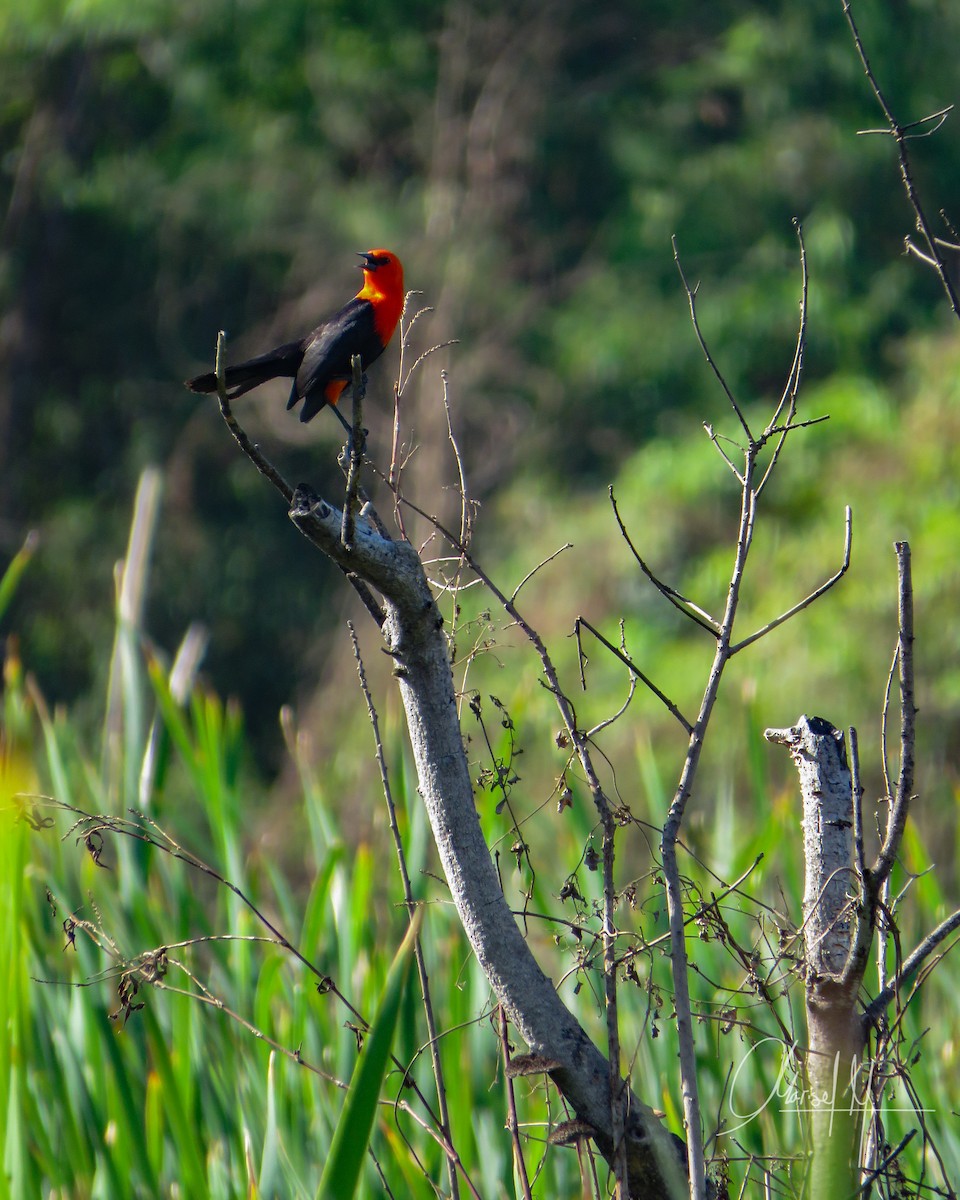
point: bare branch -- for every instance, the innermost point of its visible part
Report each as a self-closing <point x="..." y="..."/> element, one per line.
<point x="940" y="117"/>
<point x="900" y="800"/>
<point x="788" y="398"/>
<point x="900" y="136"/>
<point x="808" y="600"/>
<point x="259" y="460"/>
<point x="540" y="565"/>
<point x="717" y="438"/>
<point x="354" y="451"/>
<point x="415" y="640"/>
<point x="692" y="302"/>
<point x="410" y="901"/>
<point x="687" y="607"/>
<point x="634" y="670"/>
<point x="911" y="964"/>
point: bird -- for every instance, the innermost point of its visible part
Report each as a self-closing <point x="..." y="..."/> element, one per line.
<point x="320" y="364"/>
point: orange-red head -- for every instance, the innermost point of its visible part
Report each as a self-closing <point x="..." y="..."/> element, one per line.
<point x="383" y="287"/>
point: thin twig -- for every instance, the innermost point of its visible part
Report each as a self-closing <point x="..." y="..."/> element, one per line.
<point x="426" y="354"/>
<point x="808" y="600"/>
<point x="540" y="565"/>
<point x="900" y="800"/>
<point x="681" y="603"/>
<point x="716" y="439"/>
<point x="513" y="1125"/>
<point x="411" y="904"/>
<point x="940" y="117"/>
<point x="259" y="460"/>
<point x="631" y="692"/>
<point x="900" y="136"/>
<point x="354" y="457"/>
<point x="466" y="522"/>
<point x="692" y="303"/>
<point x="788" y="398"/>
<point x="856" y="789"/>
<point x="910" y="965"/>
<point x="633" y="669"/>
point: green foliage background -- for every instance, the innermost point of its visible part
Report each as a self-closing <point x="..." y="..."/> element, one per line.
<point x="173" y="169"/>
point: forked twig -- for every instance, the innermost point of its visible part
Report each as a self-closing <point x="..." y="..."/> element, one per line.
<point x="681" y="603"/>
<point x="807" y="600"/>
<point x="692" y="302"/>
<point x="717" y="438"/>
<point x="910" y="965"/>
<point x="631" y="667"/>
<point x="900" y="135"/>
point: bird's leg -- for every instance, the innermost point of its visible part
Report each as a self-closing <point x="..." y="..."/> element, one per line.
<point x="342" y="419"/>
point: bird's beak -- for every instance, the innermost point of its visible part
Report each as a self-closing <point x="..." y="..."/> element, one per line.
<point x="367" y="260"/>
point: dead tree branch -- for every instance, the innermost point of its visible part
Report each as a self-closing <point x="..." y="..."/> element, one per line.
<point x="413" y="633"/>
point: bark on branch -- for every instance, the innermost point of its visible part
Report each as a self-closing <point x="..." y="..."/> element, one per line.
<point x="833" y="926"/>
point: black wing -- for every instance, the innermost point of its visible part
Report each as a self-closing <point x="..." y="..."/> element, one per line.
<point x="328" y="354"/>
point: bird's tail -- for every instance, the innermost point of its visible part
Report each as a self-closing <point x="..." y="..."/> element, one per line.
<point x="282" y="363"/>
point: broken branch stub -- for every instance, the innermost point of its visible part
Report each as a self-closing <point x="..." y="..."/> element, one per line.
<point x="829" y="894"/>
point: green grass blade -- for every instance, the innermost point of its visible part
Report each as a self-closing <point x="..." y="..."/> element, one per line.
<point x="11" y="577"/>
<point x="342" y="1170"/>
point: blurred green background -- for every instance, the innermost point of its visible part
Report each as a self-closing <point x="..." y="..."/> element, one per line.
<point x="169" y="169"/>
